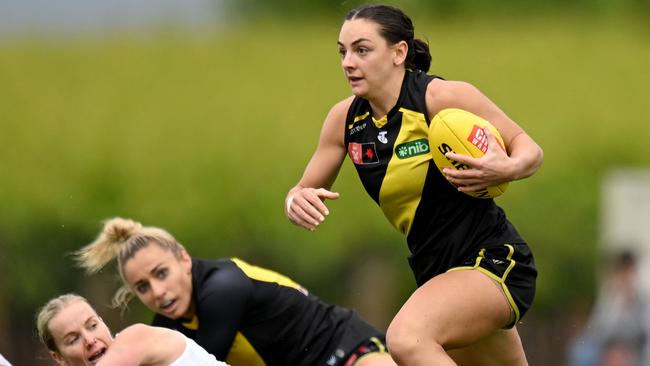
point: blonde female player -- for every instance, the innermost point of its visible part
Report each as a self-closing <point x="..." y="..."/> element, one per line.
<point x="475" y="274"/>
<point x="76" y="336"/>
<point x="240" y="313"/>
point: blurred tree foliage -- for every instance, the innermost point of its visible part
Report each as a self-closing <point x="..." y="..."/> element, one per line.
<point x="447" y="8"/>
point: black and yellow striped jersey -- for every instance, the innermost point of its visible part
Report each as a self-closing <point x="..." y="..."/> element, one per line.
<point x="251" y="316"/>
<point x="394" y="162"/>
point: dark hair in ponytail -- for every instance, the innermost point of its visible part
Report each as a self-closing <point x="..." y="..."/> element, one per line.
<point x="395" y="26"/>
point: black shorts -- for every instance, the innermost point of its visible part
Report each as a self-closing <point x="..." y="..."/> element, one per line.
<point x="358" y="339"/>
<point x="513" y="267"/>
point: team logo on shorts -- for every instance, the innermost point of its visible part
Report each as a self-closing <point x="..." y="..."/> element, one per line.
<point x="363" y="153"/>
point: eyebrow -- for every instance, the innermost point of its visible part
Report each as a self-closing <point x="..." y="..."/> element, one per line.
<point x="73" y="332"/>
<point x="355" y="42"/>
<point x="153" y="271"/>
<point x="91" y="319"/>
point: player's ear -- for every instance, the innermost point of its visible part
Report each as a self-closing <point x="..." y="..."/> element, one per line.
<point x="186" y="261"/>
<point x="400" y="52"/>
<point x="58" y="359"/>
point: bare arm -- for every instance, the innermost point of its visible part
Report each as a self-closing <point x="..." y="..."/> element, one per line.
<point x="304" y="203"/>
<point x="140" y="345"/>
<point x="522" y="157"/>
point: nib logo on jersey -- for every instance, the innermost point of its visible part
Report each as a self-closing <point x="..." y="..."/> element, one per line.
<point x="363" y="153"/>
<point x="412" y="148"/>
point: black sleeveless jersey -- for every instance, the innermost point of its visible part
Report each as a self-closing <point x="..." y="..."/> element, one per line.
<point x="394" y="162"/>
<point x="251" y="316"/>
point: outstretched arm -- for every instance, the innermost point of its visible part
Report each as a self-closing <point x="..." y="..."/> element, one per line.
<point x="141" y="344"/>
<point x="522" y="157"/>
<point x="304" y="203"/>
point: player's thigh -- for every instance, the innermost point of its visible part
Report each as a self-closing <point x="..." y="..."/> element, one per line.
<point x="503" y="347"/>
<point x="453" y="309"/>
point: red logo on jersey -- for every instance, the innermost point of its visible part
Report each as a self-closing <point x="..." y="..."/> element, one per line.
<point x="478" y="138"/>
<point x="364" y="153"/>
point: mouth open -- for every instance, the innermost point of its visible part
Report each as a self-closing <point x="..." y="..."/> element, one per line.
<point x="95" y="357"/>
<point x="167" y="304"/>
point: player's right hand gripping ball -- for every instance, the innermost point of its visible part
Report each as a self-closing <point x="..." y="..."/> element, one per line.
<point x="459" y="131"/>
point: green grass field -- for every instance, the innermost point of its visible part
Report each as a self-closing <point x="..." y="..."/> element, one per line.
<point x="203" y="135"/>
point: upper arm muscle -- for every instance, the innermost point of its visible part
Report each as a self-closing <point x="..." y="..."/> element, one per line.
<point x="442" y="94"/>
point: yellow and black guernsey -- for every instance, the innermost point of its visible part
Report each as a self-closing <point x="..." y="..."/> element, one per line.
<point x="251" y="316"/>
<point x="393" y="158"/>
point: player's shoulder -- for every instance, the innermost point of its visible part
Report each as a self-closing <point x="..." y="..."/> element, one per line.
<point x="137" y="330"/>
<point x="446" y="90"/>
<point x="138" y="334"/>
<point x="223" y="278"/>
<point x="340" y="109"/>
<point x="144" y="332"/>
<point x="442" y="94"/>
<point x="336" y="117"/>
<point x="156" y="345"/>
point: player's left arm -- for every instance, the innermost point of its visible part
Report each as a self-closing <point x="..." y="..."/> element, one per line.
<point x="522" y="157"/>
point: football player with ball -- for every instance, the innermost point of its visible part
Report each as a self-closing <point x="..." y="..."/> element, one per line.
<point x="475" y="274"/>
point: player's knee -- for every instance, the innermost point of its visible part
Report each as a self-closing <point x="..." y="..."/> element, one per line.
<point x="404" y="341"/>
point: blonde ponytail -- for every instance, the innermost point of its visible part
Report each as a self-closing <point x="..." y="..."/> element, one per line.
<point x="113" y="238"/>
<point x="120" y="239"/>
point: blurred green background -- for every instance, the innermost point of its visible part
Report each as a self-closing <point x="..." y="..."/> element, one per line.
<point x="202" y="131"/>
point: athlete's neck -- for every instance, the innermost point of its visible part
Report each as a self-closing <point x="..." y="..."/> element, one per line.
<point x="385" y="98"/>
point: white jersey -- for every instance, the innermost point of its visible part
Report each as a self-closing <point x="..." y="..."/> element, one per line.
<point x="195" y="355"/>
<point x="3" y="361"/>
